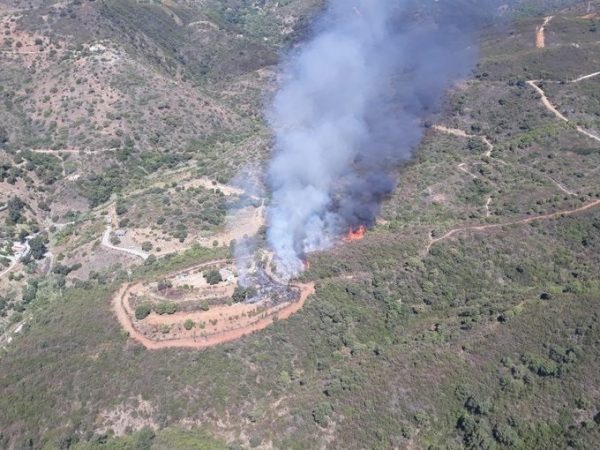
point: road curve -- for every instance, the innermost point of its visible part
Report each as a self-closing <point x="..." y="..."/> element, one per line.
<point x="546" y="102"/>
<point x="131" y="251"/>
<point x="124" y="313"/>
<point x="516" y="222"/>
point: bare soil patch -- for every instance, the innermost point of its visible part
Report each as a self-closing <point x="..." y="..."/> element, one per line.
<point x="220" y="324"/>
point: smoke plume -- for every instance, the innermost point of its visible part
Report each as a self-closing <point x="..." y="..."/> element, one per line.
<point x="350" y="109"/>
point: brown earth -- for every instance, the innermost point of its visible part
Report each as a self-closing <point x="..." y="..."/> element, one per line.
<point x="232" y="322"/>
<point x="540" y="35"/>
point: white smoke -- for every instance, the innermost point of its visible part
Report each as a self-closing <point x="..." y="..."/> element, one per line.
<point x="348" y="111"/>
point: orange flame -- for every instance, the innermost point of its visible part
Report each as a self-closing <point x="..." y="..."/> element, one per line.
<point x="355" y="234"/>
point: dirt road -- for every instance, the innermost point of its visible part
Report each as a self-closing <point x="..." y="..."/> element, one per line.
<point x="22" y="251"/>
<point x="460" y="133"/>
<point x="585" y="77"/>
<point x="560" y="186"/>
<point x="546" y="102"/>
<point x="110" y="218"/>
<point x="124" y="313"/>
<point x="540" y="35"/>
<point x="488" y="202"/>
<point x="527" y="220"/>
<point x="463" y="134"/>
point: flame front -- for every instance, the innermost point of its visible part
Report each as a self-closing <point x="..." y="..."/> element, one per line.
<point x="355" y="234"/>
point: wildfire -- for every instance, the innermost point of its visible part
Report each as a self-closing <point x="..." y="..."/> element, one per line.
<point x="355" y="234"/>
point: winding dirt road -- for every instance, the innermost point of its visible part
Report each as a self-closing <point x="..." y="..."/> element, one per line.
<point x="124" y="313"/>
<point x="22" y="251"/>
<point x="527" y="220"/>
<point x="550" y="107"/>
<point x="106" y="238"/>
<point x="463" y="166"/>
<point x="461" y="133"/>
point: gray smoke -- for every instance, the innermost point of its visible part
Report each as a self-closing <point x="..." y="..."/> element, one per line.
<point x="350" y="109"/>
<point x="248" y="179"/>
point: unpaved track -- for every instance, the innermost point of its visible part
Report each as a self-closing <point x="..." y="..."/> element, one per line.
<point x="540" y="35"/>
<point x="463" y="167"/>
<point x="487" y="207"/>
<point x="556" y="112"/>
<point x="545" y="101"/>
<point x="585" y="77"/>
<point x="124" y="313"/>
<point x="16" y="258"/>
<point x="460" y="133"/>
<point x="463" y="134"/>
<point x="106" y="238"/>
<point x="451" y="233"/>
<point x="487" y="154"/>
<point x="560" y="186"/>
<point x="210" y="184"/>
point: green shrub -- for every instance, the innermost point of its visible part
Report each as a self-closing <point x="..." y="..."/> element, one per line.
<point x="142" y="311"/>
<point x="29" y="292"/>
<point x="321" y="413"/>
<point x="165" y="308"/>
<point x="188" y="324"/>
<point x="213" y="277"/>
<point x="241" y="294"/>
<point x="541" y="366"/>
<point x="121" y="209"/>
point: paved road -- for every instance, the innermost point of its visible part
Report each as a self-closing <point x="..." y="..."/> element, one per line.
<point x="131" y="251"/>
<point x="17" y="256"/>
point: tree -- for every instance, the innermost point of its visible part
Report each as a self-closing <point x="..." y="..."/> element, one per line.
<point x="15" y="207"/>
<point x="213" y="277"/>
<point x="188" y="324"/>
<point x="38" y="246"/>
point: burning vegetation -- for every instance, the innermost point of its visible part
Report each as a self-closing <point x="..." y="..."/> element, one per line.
<point x="355" y="234"/>
<point x="336" y="155"/>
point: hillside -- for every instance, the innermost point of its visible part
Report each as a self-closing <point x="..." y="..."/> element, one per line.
<point x="132" y="142"/>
